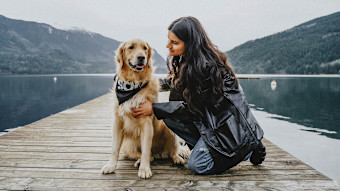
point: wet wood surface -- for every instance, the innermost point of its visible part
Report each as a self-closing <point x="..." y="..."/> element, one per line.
<point x="67" y="150"/>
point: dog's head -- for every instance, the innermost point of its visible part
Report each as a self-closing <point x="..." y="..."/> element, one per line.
<point x="134" y="53"/>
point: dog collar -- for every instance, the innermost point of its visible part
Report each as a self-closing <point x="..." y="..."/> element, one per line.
<point x="126" y="90"/>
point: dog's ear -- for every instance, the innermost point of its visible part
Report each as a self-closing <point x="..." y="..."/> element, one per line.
<point x="120" y="58"/>
<point x="149" y="54"/>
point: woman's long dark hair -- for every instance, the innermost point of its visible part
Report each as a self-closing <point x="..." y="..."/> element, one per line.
<point x="202" y="62"/>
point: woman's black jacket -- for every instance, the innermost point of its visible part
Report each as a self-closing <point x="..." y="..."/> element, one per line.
<point x="228" y="127"/>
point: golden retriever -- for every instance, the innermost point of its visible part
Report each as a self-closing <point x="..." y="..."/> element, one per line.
<point x="144" y="138"/>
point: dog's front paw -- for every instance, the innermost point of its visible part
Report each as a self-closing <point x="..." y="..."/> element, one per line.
<point x="107" y="169"/>
<point x="178" y="160"/>
<point x="184" y="152"/>
<point x="144" y="172"/>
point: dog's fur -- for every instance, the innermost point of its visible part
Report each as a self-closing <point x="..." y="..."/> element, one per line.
<point x="144" y="138"/>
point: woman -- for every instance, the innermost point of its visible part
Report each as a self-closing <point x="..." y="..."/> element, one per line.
<point x="207" y="106"/>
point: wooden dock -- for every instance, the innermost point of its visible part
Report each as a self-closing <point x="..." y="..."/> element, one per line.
<point x="67" y="150"/>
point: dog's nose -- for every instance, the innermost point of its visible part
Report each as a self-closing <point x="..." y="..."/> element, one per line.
<point x="141" y="58"/>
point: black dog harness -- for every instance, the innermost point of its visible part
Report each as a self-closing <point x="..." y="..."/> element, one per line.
<point x="126" y="90"/>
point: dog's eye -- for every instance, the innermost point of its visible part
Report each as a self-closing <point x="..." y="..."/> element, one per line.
<point x="131" y="47"/>
<point x="145" y="48"/>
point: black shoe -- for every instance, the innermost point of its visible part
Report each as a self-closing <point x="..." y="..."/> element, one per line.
<point x="259" y="154"/>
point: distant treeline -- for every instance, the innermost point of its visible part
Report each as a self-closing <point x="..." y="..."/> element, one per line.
<point x="52" y="63"/>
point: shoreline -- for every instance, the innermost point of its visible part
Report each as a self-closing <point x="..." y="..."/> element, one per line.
<point x="288" y="75"/>
<point x="156" y="74"/>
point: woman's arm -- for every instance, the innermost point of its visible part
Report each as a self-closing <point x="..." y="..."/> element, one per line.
<point x="172" y="109"/>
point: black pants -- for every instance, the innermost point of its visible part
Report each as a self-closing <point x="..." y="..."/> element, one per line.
<point x="184" y="129"/>
<point x="188" y="131"/>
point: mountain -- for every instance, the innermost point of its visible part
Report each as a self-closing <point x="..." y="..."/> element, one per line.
<point x="310" y="48"/>
<point x="37" y="48"/>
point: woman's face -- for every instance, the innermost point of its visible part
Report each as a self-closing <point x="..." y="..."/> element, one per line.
<point x="175" y="45"/>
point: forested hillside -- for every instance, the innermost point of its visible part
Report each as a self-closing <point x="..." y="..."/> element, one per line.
<point x="37" y="48"/>
<point x="310" y="48"/>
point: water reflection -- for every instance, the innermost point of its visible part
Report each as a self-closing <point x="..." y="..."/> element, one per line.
<point x="25" y="99"/>
<point x="312" y="102"/>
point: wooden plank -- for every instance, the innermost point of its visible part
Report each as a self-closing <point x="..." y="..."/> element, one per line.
<point x="41" y="183"/>
<point x="95" y="134"/>
<point x="105" y="156"/>
<point x="159" y="174"/>
<point x="69" y="148"/>
<point x="88" y="149"/>
<point x="66" y="130"/>
<point x="123" y="164"/>
<point x="270" y="147"/>
<point x="42" y="172"/>
<point x="163" y="176"/>
<point x="103" y="138"/>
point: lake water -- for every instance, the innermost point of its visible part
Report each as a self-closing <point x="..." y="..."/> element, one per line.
<point x="25" y="99"/>
<point x="309" y="101"/>
<point x="302" y="115"/>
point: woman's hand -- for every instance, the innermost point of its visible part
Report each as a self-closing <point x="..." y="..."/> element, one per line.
<point x="143" y="110"/>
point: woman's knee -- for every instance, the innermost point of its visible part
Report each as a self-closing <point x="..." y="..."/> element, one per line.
<point x="200" y="167"/>
<point x="200" y="160"/>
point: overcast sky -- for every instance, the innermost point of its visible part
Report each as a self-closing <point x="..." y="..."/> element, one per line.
<point x="229" y="23"/>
